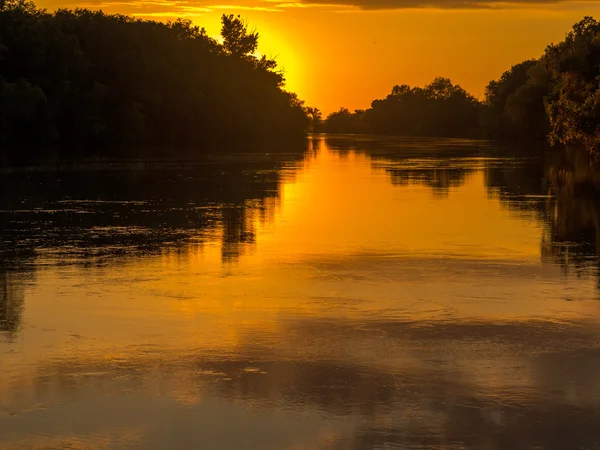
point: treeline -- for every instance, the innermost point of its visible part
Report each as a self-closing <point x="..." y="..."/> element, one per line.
<point x="81" y="82"/>
<point x="554" y="98"/>
<point x="439" y="109"/>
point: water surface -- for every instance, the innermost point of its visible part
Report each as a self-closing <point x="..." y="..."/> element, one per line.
<point x="369" y="294"/>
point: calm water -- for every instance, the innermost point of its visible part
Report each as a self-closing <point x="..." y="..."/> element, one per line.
<point x="365" y="295"/>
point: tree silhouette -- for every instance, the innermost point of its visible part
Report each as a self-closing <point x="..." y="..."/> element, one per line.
<point x="439" y="109"/>
<point x="84" y="83"/>
<point x="237" y="41"/>
<point x="515" y="103"/>
<point x="573" y="105"/>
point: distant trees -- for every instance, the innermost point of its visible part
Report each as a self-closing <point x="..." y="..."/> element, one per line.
<point x="85" y="82"/>
<point x="316" y="119"/>
<point x="439" y="109"/>
<point x="555" y="98"/>
<point x="344" y="121"/>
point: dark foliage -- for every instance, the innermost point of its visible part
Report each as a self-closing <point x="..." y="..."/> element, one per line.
<point x="573" y="105"/>
<point x="439" y="109"/>
<point x="515" y="103"/>
<point x="83" y="82"/>
<point x="555" y="99"/>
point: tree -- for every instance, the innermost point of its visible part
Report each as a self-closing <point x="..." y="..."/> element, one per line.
<point x="344" y="121"/>
<point x="316" y="118"/>
<point x="442" y="89"/>
<point x="573" y="104"/>
<point x="237" y="41"/>
<point x="90" y="83"/>
<point x="441" y="108"/>
<point x="515" y="103"/>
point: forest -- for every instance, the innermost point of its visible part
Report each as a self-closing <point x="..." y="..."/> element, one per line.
<point x="79" y="83"/>
<point x="82" y="83"/>
<point x="555" y="98"/>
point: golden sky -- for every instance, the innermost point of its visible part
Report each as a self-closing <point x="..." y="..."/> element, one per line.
<point x="348" y="52"/>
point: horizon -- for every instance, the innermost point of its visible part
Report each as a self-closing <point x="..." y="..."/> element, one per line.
<point x="368" y="51"/>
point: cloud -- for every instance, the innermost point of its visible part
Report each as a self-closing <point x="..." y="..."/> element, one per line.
<point x="246" y="7"/>
<point x="303" y="4"/>
<point x="375" y="5"/>
<point x="176" y="8"/>
<point x="184" y="8"/>
<point x="386" y="5"/>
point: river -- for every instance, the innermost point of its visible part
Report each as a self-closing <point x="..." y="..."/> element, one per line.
<point x="367" y="294"/>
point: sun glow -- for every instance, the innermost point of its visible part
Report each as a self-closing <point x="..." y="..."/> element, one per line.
<point x="272" y="43"/>
<point x="333" y="57"/>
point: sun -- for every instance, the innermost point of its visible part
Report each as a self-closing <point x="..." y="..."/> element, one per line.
<point x="276" y="46"/>
<point x="273" y="44"/>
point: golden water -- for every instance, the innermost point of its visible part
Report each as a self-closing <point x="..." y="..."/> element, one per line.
<point x="365" y="295"/>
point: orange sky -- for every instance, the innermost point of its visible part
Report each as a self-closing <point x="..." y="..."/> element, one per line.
<point x="348" y="52"/>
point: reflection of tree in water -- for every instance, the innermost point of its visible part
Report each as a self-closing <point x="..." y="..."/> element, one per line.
<point x="239" y="225"/>
<point x="561" y="189"/>
<point x="519" y="184"/>
<point x="14" y="271"/>
<point x="573" y="239"/>
<point x="10" y="305"/>
<point x="441" y="164"/>
<point x="90" y="213"/>
<point x="440" y="180"/>
<point x="126" y="210"/>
